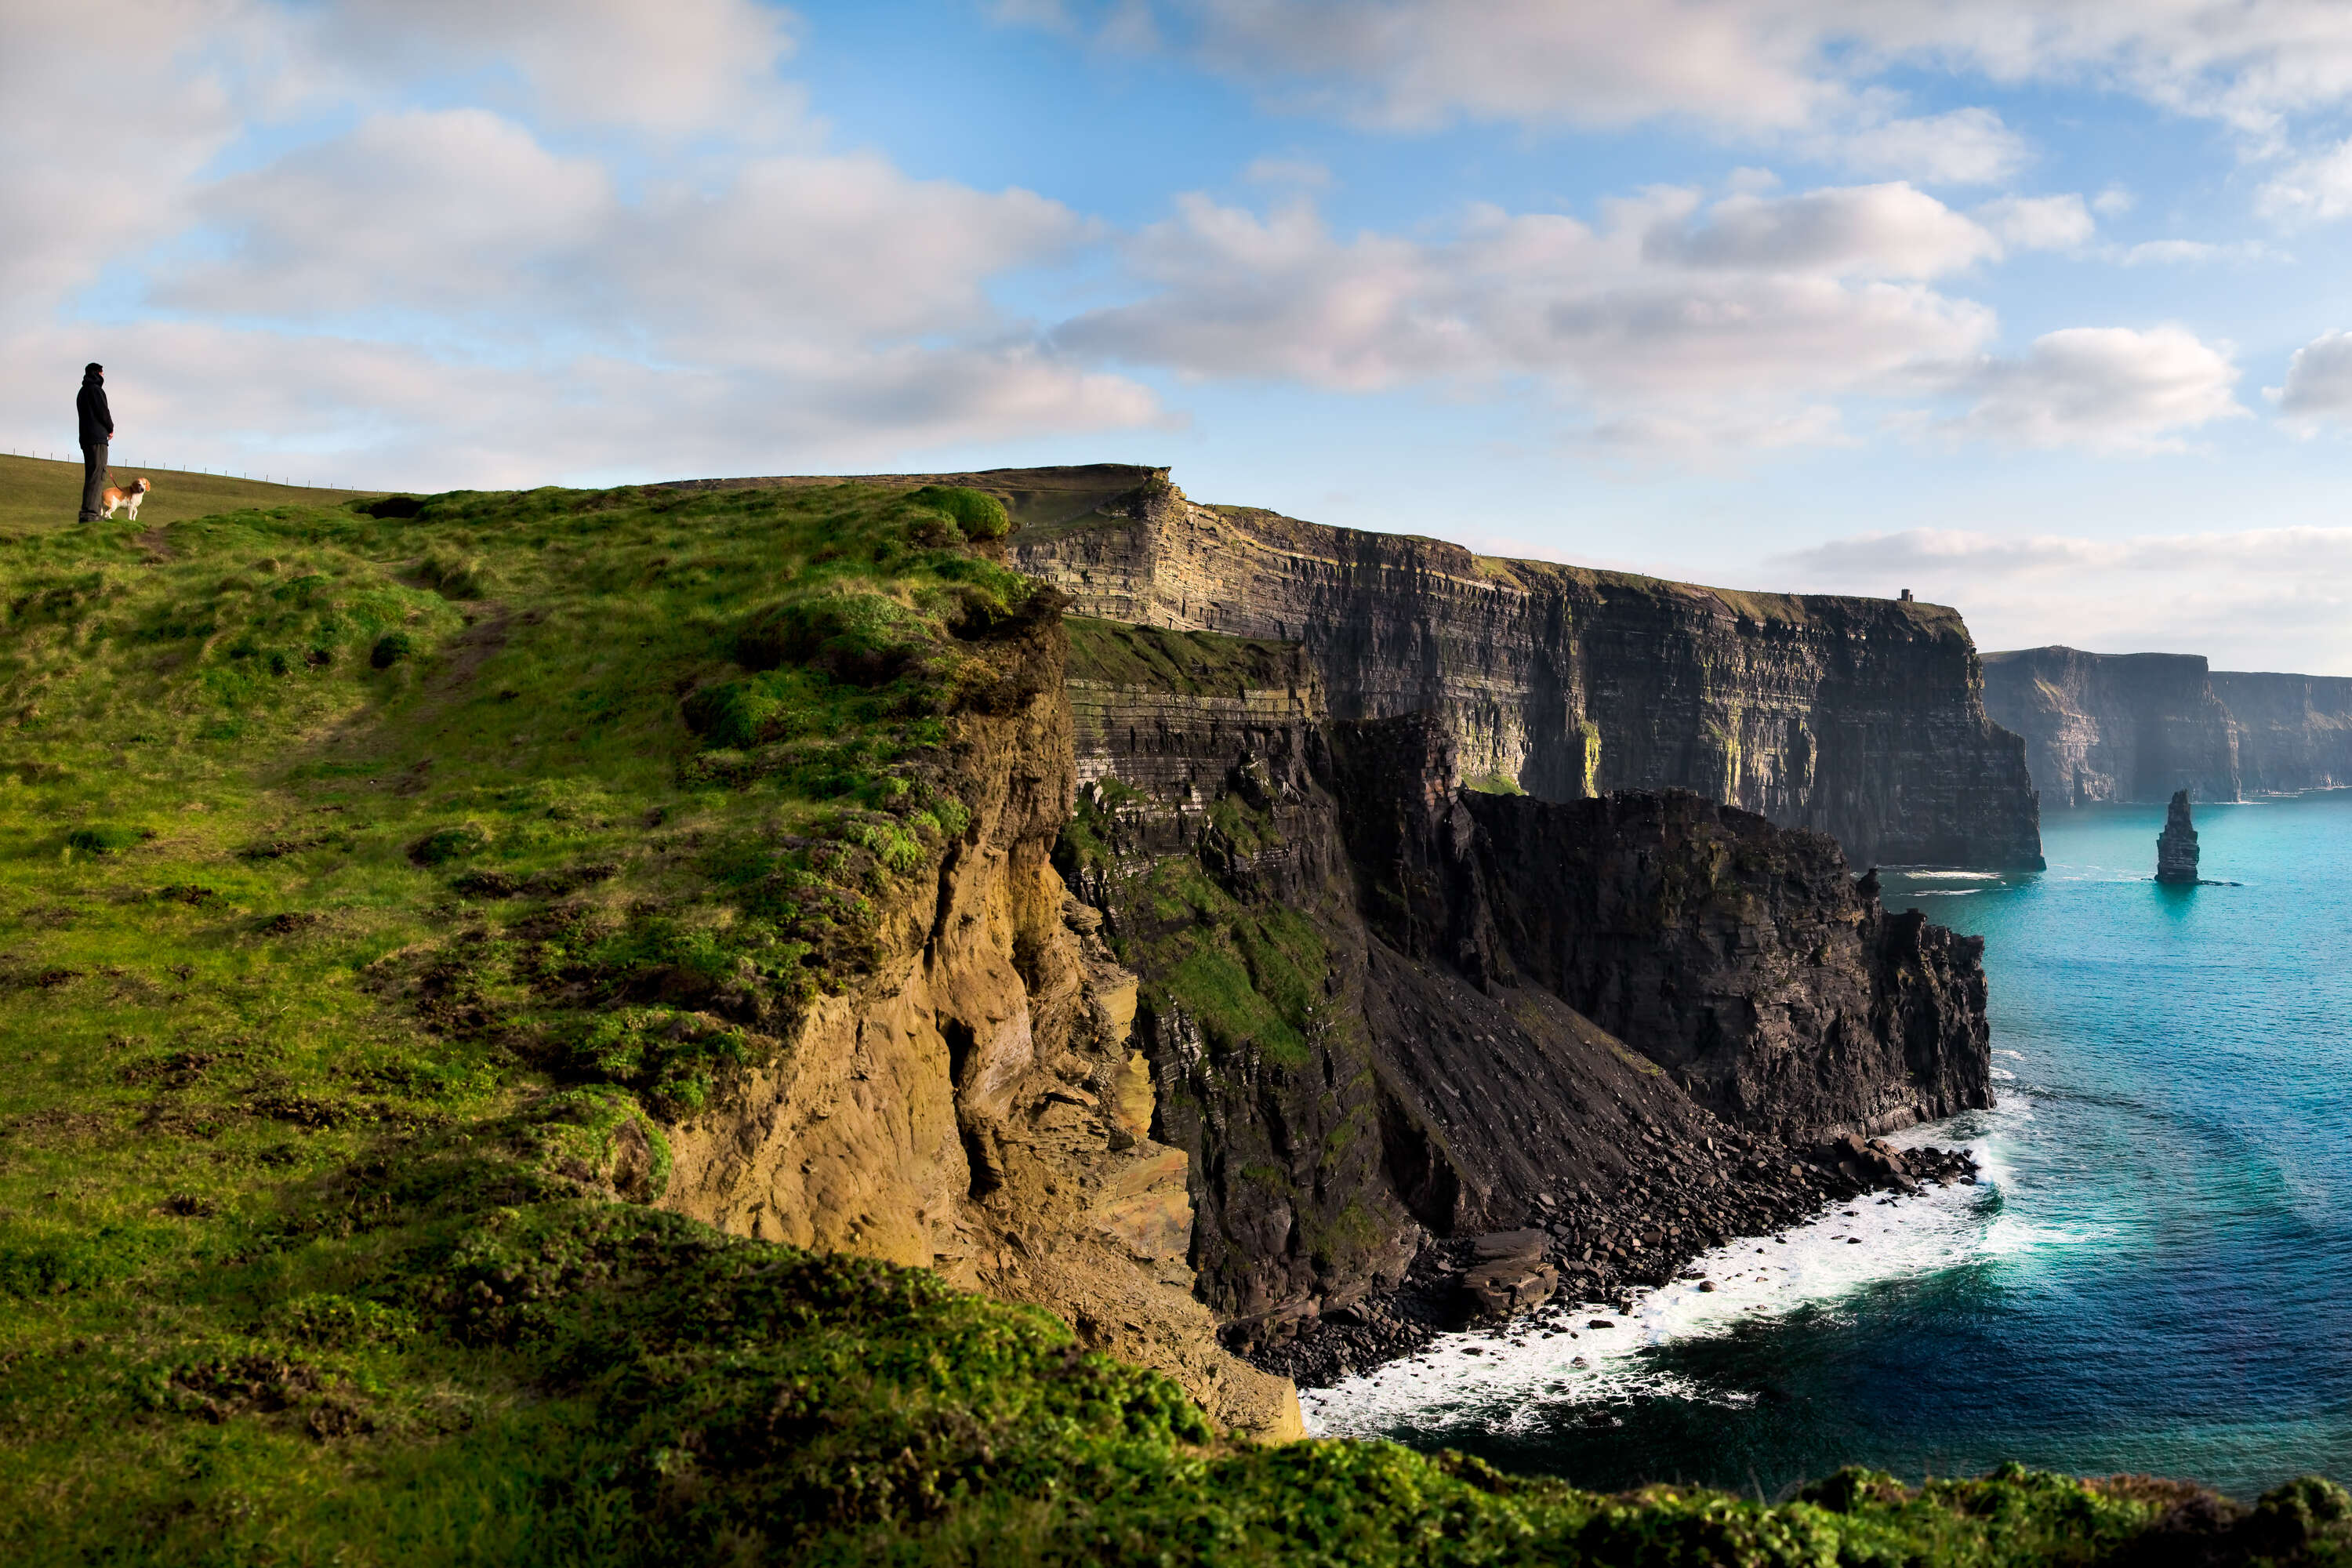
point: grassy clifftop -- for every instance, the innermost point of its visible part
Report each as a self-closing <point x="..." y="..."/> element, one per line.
<point x="376" y="880"/>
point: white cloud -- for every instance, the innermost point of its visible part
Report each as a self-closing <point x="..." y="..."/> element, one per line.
<point x="339" y="410"/>
<point x="448" y="209"/>
<point x="1964" y="147"/>
<point x="2104" y="388"/>
<point x="2264" y="598"/>
<point x="80" y="183"/>
<point x="2316" y="189"/>
<point x="2112" y="202"/>
<point x="1886" y="231"/>
<point x="1946" y="551"/>
<point x="2318" y="389"/>
<point x="1755" y="67"/>
<point x="2040" y="223"/>
<point x="1674" y="326"/>
<point x="675" y="68"/>
<point x="439" y="296"/>
<point x="1763" y="305"/>
<point x="1701" y="435"/>
<point x="2196" y="252"/>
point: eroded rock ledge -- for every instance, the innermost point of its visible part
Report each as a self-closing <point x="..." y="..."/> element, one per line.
<point x="974" y="1104"/>
<point x="1387" y="1015"/>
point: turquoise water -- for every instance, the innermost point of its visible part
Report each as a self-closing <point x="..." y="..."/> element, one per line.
<point x="2156" y="1275"/>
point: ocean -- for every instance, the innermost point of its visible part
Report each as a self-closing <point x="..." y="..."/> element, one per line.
<point x="2154" y="1273"/>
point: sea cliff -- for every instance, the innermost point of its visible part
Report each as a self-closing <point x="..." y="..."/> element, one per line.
<point x="1387" y="1013"/>
<point x="521" y="1012"/>
<point x="1858" y="718"/>
<point x="2136" y="727"/>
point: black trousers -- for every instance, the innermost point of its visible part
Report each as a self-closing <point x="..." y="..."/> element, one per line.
<point x="93" y="481"/>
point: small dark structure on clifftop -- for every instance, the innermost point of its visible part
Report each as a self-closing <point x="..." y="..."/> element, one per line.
<point x="2176" y="847"/>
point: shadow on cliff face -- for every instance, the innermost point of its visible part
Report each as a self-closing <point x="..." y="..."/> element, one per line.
<point x="1861" y="716"/>
<point x="1384" y="1010"/>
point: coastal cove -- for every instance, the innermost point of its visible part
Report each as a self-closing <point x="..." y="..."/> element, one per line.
<point x="2149" y="1278"/>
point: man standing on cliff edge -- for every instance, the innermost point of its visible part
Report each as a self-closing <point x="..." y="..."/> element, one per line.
<point x="96" y="430"/>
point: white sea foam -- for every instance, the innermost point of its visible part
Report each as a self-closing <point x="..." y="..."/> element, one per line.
<point x="1498" y="1381"/>
<point x="1950" y="875"/>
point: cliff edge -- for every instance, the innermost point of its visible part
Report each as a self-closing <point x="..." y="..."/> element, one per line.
<point x="1858" y="718"/>
<point x="2138" y="726"/>
<point x="1386" y="1012"/>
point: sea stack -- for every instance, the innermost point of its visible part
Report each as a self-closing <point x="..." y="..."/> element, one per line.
<point x="2176" y="847"/>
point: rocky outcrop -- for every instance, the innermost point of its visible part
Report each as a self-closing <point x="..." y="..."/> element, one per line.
<point x="1358" y="1005"/>
<point x="2176" y="847"/>
<point x="1744" y="959"/>
<point x="1859" y="717"/>
<point x="2137" y="727"/>
<point x="975" y="1104"/>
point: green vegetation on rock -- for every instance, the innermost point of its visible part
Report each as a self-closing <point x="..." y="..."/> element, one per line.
<point x="1197" y="664"/>
<point x="344" y="1001"/>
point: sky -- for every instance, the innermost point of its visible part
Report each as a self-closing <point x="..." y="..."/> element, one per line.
<point x="2041" y="310"/>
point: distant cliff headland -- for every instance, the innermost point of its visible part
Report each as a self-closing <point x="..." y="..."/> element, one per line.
<point x="1858" y="718"/>
<point x="2138" y="726"/>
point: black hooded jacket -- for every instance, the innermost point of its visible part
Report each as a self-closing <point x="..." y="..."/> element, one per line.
<point x="96" y="421"/>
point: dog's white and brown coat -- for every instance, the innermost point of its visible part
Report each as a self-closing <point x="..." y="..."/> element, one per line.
<point x="115" y="496"/>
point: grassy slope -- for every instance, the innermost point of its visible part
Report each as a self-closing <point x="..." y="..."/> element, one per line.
<point x="362" y="901"/>
<point x="37" y="494"/>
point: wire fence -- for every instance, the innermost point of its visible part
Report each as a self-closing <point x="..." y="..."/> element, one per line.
<point x="114" y="463"/>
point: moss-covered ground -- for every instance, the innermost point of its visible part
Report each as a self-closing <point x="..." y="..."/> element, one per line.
<point x="374" y="880"/>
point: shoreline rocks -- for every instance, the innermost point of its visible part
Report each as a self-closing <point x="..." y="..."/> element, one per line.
<point x="1593" y="1248"/>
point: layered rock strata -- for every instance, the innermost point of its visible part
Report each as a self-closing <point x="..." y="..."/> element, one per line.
<point x="976" y="1105"/>
<point x="2294" y="731"/>
<point x="1353" y="1001"/>
<point x="2176" y="847"/>
<point x="2109" y="727"/>
<point x="2136" y="727"/>
<point x="1859" y="717"/>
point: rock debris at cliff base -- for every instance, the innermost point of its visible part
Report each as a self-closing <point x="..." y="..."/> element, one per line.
<point x="1601" y="1248"/>
<point x="1389" y="1016"/>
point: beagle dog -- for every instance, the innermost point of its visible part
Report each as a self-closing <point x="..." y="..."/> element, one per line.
<point x="116" y="496"/>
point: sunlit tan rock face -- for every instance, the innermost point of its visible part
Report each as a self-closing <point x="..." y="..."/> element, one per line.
<point x="1859" y="717"/>
<point x="976" y="1104"/>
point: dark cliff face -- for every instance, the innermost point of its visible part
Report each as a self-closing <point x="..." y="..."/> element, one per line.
<point x="2102" y="727"/>
<point x="1859" y="717"/>
<point x="2138" y="726"/>
<point x="2176" y="847"/>
<point x="1358" y="976"/>
<point x="1743" y="958"/>
<point x="2294" y="731"/>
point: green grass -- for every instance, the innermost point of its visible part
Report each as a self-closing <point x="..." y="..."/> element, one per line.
<point x="374" y="890"/>
<point x="37" y="494"/>
<point x="1493" y="784"/>
<point x="1200" y="664"/>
